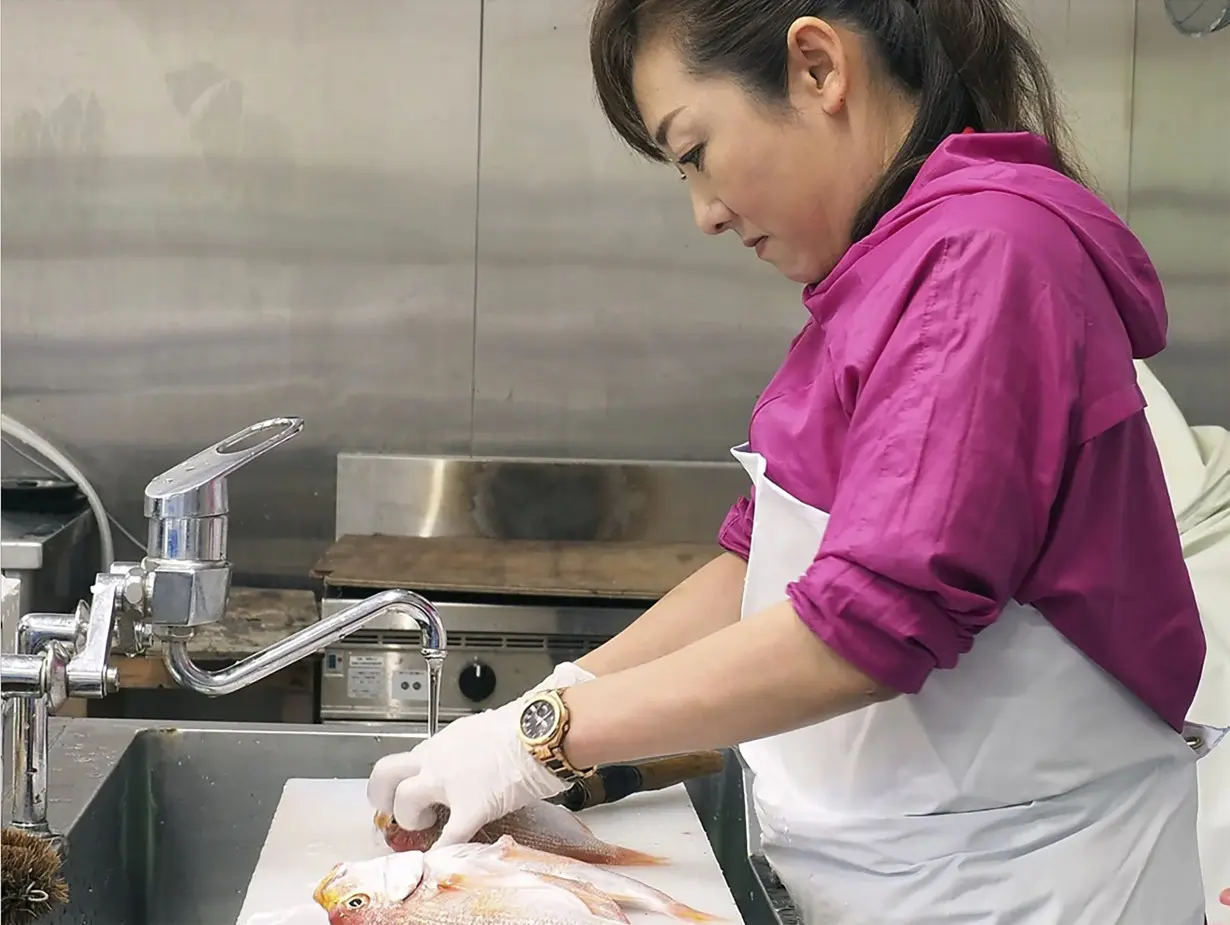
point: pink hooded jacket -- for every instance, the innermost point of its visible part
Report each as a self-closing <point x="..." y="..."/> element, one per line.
<point x="963" y="403"/>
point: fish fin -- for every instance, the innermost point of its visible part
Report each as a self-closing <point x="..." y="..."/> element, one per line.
<point x="452" y="881"/>
<point x="597" y="902"/>
<point x="678" y="910"/>
<point x="579" y="821"/>
<point x="487" y="835"/>
<point x="657" y="903"/>
<point x="669" y="907"/>
<point x="630" y="857"/>
<point x="513" y="850"/>
<point x="544" y="812"/>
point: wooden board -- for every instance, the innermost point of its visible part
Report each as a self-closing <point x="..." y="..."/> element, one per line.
<point x="642" y="571"/>
<point x="319" y="823"/>
<point x="255" y="619"/>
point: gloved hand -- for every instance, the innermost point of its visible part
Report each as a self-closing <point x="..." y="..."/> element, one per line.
<point x="566" y="674"/>
<point x="476" y="766"/>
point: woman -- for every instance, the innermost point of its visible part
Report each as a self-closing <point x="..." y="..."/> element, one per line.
<point x="951" y="629"/>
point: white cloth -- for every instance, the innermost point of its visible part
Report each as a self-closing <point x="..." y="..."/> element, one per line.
<point x="1024" y="786"/>
<point x="1204" y="527"/>
<point x="476" y="766"/>
<point x="1196" y="463"/>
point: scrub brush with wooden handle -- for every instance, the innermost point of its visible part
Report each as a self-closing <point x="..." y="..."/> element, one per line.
<point x="31" y="885"/>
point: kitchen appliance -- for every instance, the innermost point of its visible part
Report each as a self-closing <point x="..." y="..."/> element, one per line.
<point x="49" y="543"/>
<point x="529" y="563"/>
<point x="496" y="650"/>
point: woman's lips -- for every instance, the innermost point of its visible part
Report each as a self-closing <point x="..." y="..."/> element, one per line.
<point x="758" y="244"/>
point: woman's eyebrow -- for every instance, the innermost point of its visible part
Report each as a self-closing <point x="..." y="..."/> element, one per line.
<point x="665" y="126"/>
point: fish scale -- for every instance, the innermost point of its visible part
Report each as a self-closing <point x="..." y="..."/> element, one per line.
<point x="544" y="826"/>
<point x="544" y="905"/>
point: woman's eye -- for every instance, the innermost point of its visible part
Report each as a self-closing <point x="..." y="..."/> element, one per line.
<point x="694" y="158"/>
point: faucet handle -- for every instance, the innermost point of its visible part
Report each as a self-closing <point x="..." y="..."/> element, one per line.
<point x="197" y="486"/>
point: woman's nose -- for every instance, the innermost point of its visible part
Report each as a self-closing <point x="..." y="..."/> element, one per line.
<point x="712" y="216"/>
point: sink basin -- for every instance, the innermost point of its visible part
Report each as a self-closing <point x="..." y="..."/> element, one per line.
<point x="165" y="824"/>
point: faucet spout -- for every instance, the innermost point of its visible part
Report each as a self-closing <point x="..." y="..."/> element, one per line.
<point x="309" y="640"/>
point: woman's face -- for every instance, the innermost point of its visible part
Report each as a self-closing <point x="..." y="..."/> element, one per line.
<point x="787" y="181"/>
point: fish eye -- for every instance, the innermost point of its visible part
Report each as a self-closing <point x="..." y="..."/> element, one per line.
<point x="357" y="901"/>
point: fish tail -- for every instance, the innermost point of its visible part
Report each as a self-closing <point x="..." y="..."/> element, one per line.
<point x="630" y="857"/>
<point x="685" y="912"/>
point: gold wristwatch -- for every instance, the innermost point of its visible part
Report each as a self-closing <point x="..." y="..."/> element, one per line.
<point x="541" y="728"/>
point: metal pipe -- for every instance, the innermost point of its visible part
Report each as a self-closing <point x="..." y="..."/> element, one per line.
<point x="30" y="758"/>
<point x="310" y="639"/>
<point x="35" y="630"/>
<point x="23" y="675"/>
<point x="41" y="640"/>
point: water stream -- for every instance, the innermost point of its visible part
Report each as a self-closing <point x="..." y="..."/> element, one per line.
<point x="435" y="667"/>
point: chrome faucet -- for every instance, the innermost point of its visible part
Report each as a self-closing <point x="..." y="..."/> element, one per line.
<point x="181" y="585"/>
<point x="37" y="678"/>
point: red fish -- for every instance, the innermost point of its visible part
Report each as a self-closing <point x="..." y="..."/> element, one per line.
<point x="499" y="884"/>
<point x="543" y="826"/>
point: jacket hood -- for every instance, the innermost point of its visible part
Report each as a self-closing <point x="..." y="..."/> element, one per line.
<point x="1021" y="164"/>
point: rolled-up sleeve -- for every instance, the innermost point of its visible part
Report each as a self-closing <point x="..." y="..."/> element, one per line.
<point x="954" y="457"/>
<point x="735" y="534"/>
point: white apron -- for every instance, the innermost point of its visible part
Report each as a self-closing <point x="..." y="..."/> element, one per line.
<point x="1023" y="787"/>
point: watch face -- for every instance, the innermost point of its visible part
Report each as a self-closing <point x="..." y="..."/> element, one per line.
<point x="537" y="719"/>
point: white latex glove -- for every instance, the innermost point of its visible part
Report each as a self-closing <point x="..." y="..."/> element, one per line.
<point x="566" y="674"/>
<point x="476" y="766"/>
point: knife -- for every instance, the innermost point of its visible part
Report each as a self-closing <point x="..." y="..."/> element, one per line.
<point x="612" y="782"/>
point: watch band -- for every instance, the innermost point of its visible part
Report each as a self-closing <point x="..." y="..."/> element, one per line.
<point x="555" y="762"/>
<point x="549" y="752"/>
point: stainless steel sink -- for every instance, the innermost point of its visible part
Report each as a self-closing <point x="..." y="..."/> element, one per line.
<point x="165" y="824"/>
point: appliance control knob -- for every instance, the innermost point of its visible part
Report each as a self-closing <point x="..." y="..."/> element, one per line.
<point x="477" y="681"/>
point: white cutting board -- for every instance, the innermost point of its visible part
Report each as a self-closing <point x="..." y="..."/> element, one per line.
<point x="320" y="823"/>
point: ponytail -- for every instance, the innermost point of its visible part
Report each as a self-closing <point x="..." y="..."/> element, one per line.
<point x="975" y="68"/>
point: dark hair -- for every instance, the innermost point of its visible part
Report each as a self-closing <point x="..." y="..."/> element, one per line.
<point x="967" y="63"/>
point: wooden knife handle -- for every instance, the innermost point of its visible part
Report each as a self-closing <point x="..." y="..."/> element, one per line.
<point x="612" y="783"/>
<point x="660" y="773"/>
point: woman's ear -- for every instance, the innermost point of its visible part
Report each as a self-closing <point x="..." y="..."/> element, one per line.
<point x="817" y="64"/>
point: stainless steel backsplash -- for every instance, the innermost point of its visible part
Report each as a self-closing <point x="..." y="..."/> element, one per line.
<point x="407" y="221"/>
